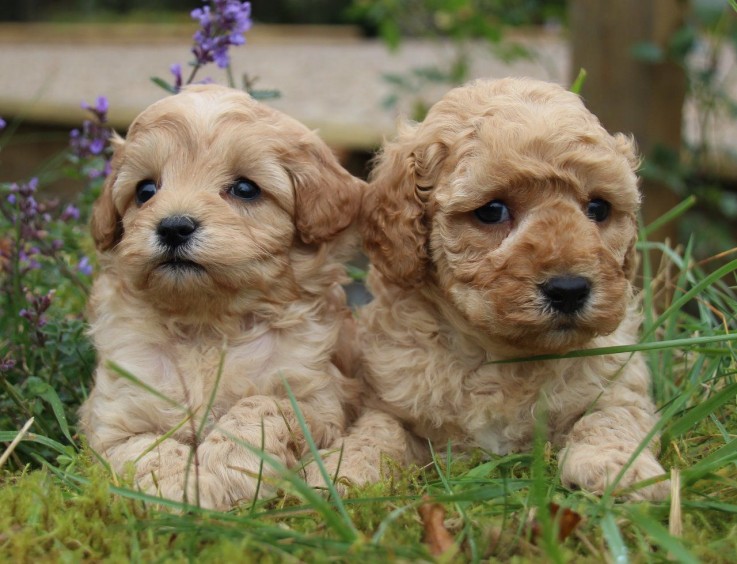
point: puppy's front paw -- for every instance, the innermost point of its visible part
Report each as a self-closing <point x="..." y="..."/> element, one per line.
<point x="594" y="467"/>
<point x="199" y="489"/>
<point x="314" y="477"/>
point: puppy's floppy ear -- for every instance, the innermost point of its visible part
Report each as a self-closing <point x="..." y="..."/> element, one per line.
<point x="106" y="224"/>
<point x="631" y="261"/>
<point x="393" y="212"/>
<point x="327" y="197"/>
<point x="626" y="146"/>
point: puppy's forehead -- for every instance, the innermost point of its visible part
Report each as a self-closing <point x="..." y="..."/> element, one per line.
<point x="208" y="136"/>
<point x="536" y="146"/>
<point x="206" y="110"/>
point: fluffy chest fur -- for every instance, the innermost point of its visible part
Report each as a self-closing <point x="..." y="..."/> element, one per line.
<point x="179" y="370"/>
<point x="447" y="386"/>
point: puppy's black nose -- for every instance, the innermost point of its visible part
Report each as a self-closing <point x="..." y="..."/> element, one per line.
<point x="567" y="294"/>
<point x="176" y="230"/>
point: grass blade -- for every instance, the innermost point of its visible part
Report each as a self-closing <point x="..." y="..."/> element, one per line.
<point x="14" y="443"/>
<point x="345" y="530"/>
<point x="8" y="436"/>
<point x="671" y="215"/>
<point x="621" y="349"/>
<point x="714" y="461"/>
<point x="614" y="539"/>
<point x="700" y="411"/>
<point x="579" y="82"/>
<point x="659" y="534"/>
<point x="700" y="286"/>
<point x="122" y="372"/>
<point x="460" y="506"/>
<point x="334" y="495"/>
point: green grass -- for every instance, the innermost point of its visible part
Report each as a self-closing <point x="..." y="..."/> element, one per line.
<point x="58" y="503"/>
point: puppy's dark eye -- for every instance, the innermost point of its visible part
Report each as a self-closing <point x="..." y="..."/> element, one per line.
<point x="145" y="190"/>
<point x="245" y="189"/>
<point x="598" y="209"/>
<point x="495" y="211"/>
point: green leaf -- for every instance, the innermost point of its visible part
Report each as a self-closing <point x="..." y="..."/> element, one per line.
<point x="161" y="83"/>
<point x="431" y="74"/>
<point x="483" y="470"/>
<point x="356" y="273"/>
<point x="391" y="34"/>
<point x="264" y="94"/>
<point x="648" y="52"/>
<point x="395" y="79"/>
<point x="681" y="43"/>
<point x="577" y="85"/>
<point x="43" y="390"/>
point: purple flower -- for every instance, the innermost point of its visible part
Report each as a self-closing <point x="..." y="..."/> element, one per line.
<point x="29" y="187"/>
<point x="70" y="212"/>
<point x="92" y="141"/>
<point x="6" y="364"/>
<point x="2" y="124"/>
<point x="99" y="109"/>
<point x="84" y="266"/>
<point x="35" y="219"/>
<point x="97" y="146"/>
<point x="176" y="70"/>
<point x="35" y="313"/>
<point x="223" y="24"/>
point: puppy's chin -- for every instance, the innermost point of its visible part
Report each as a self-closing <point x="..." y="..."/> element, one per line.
<point x="176" y="286"/>
<point x="177" y="278"/>
<point x="204" y="289"/>
<point x="557" y="339"/>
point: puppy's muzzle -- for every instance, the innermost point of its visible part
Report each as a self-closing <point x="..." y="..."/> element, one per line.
<point x="176" y="230"/>
<point x="566" y="294"/>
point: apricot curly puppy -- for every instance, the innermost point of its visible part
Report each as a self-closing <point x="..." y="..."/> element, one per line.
<point x="501" y="227"/>
<point x="221" y="232"/>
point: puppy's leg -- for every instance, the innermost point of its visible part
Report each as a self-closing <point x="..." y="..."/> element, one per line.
<point x="263" y="422"/>
<point x="357" y="457"/>
<point x="601" y="443"/>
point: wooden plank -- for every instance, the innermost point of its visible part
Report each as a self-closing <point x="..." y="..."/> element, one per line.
<point x="629" y="95"/>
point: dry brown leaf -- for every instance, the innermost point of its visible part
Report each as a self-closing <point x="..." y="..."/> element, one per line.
<point x="5" y="247"/>
<point x="567" y="522"/>
<point x="435" y="536"/>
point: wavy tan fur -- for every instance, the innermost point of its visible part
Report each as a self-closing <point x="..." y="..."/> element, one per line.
<point x="266" y="300"/>
<point x="453" y="295"/>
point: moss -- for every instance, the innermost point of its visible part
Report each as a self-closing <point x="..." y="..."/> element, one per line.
<point x="45" y="518"/>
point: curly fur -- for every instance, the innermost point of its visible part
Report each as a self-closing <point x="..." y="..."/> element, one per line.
<point x="263" y="307"/>
<point x="454" y="295"/>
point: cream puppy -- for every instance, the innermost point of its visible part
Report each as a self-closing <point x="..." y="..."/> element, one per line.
<point x="221" y="231"/>
<point x="502" y="227"/>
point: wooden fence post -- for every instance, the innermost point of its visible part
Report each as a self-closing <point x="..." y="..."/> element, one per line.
<point x="627" y="94"/>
